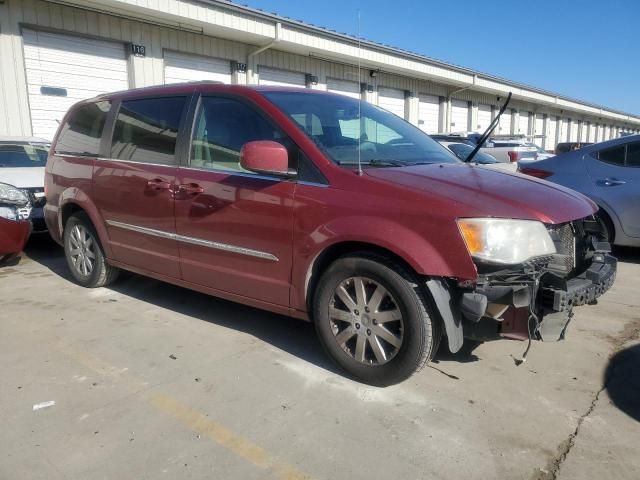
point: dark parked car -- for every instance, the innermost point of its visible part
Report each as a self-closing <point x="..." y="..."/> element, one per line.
<point x="320" y="207"/>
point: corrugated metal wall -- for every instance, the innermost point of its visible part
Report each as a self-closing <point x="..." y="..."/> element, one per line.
<point x="149" y="70"/>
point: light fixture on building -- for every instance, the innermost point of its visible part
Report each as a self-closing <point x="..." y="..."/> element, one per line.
<point x="311" y="79"/>
<point x="373" y="73"/>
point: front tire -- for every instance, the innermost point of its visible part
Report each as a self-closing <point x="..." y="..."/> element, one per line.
<point x="373" y="319"/>
<point x="85" y="257"/>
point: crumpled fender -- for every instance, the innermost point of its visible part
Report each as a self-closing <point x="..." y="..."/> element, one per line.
<point x="451" y="316"/>
<point x="13" y="235"/>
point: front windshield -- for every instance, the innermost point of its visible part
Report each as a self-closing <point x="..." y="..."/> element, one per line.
<point x="462" y="151"/>
<point x="345" y="128"/>
<point x="12" y="156"/>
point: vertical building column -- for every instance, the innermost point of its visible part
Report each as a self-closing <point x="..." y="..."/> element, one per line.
<point x="474" y="117"/>
<point x="443" y="119"/>
<point x="412" y="107"/>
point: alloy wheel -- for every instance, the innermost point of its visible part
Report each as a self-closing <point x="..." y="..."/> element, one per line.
<point x="366" y="321"/>
<point x="82" y="251"/>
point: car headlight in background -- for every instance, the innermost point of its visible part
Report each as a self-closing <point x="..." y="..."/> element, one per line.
<point x="12" y="195"/>
<point x="505" y="241"/>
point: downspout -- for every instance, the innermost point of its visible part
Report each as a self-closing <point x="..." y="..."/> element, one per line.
<point x="251" y="57"/>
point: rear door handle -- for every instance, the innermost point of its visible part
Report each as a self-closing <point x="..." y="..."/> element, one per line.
<point x="158" y="184"/>
<point x="610" y="182"/>
<point x="190" y="188"/>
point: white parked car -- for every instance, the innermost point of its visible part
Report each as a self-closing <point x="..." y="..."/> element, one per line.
<point x="463" y="150"/>
<point x="22" y="163"/>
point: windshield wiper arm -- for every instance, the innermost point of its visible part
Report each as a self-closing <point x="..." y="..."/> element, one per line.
<point x="489" y="131"/>
<point x="378" y="162"/>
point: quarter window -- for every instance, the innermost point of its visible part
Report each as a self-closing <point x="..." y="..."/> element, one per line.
<point x="146" y="130"/>
<point x="81" y="134"/>
<point x="614" y="155"/>
<point x="222" y="127"/>
<point x="633" y="154"/>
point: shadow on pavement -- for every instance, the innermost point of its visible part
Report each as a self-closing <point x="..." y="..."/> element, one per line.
<point x="293" y="336"/>
<point x="623" y="382"/>
<point x="627" y="254"/>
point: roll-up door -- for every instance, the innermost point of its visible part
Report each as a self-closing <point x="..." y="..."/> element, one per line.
<point x="347" y="88"/>
<point x="429" y="113"/>
<point x="63" y="69"/>
<point x="573" y="131"/>
<point x="539" y="130"/>
<point x="181" y="67"/>
<point x="505" y="123"/>
<point x="523" y="123"/>
<point x="564" y="134"/>
<point x="459" y="116"/>
<point x="391" y="99"/>
<point x="552" y="134"/>
<point x="284" y="78"/>
<point x="484" y="117"/>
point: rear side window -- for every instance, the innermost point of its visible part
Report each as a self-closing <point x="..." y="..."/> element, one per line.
<point x="613" y="155"/>
<point x="81" y="134"/>
<point x="633" y="154"/>
<point x="146" y="130"/>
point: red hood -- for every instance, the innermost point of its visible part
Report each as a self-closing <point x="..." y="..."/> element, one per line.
<point x="477" y="191"/>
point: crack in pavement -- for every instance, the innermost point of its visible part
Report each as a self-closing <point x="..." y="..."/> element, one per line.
<point x="629" y="332"/>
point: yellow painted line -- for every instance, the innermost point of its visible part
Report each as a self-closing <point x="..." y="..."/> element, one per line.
<point x="192" y="419"/>
<point x="245" y="449"/>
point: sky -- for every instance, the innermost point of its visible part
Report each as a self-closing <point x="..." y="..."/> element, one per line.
<point x="585" y="49"/>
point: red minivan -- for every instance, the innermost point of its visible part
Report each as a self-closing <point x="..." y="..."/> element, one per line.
<point x="321" y="207"/>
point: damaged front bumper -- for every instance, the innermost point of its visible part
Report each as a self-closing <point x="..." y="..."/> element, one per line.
<point x="533" y="302"/>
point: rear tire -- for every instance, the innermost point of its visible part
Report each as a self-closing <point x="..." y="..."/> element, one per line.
<point x="84" y="253"/>
<point x="381" y="335"/>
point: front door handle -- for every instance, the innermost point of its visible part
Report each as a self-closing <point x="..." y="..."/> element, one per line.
<point x="610" y="182"/>
<point x="158" y="184"/>
<point x="190" y="189"/>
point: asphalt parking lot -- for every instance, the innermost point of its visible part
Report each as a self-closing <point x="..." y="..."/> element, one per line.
<point x="154" y="381"/>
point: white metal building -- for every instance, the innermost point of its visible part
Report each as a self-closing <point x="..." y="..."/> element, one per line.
<point x="56" y="52"/>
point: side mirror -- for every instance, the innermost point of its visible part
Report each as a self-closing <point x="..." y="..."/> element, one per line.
<point x="265" y="156"/>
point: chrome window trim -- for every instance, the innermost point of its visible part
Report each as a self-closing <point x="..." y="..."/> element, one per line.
<point x="194" y="241"/>
<point x="108" y="159"/>
<point x="235" y="173"/>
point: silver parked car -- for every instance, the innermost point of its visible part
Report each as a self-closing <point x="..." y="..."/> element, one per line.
<point x="609" y="174"/>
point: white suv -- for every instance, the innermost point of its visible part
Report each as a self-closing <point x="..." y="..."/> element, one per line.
<point x="22" y="163"/>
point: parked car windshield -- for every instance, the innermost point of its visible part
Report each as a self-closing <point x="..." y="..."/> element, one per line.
<point x="462" y="151"/>
<point x="345" y="128"/>
<point x="26" y="155"/>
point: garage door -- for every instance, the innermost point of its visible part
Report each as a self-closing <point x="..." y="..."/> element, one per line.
<point x="484" y="117"/>
<point x="563" y="135"/>
<point x="459" y="116"/>
<point x="552" y="134"/>
<point x="344" y="87"/>
<point x="284" y="78"/>
<point x="504" y="127"/>
<point x="391" y="99"/>
<point x="429" y="113"/>
<point x="63" y="69"/>
<point x="180" y="67"/>
<point x="539" y="130"/>
<point x="523" y="123"/>
<point x="573" y="131"/>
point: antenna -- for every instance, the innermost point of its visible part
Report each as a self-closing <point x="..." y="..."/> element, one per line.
<point x="359" y="100"/>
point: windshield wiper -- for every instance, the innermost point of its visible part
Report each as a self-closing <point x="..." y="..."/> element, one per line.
<point x="378" y="162"/>
<point x="489" y="131"/>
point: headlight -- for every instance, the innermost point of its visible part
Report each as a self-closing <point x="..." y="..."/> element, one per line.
<point x="10" y="213"/>
<point x="10" y="194"/>
<point x="505" y="241"/>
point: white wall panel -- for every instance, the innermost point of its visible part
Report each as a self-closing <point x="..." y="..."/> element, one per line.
<point x="523" y="123"/>
<point x="484" y="117"/>
<point x="552" y="134"/>
<point x="393" y="100"/>
<point x="504" y="126"/>
<point x="344" y="87"/>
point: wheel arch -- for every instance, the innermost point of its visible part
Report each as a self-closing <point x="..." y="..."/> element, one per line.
<point x="74" y="200"/>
